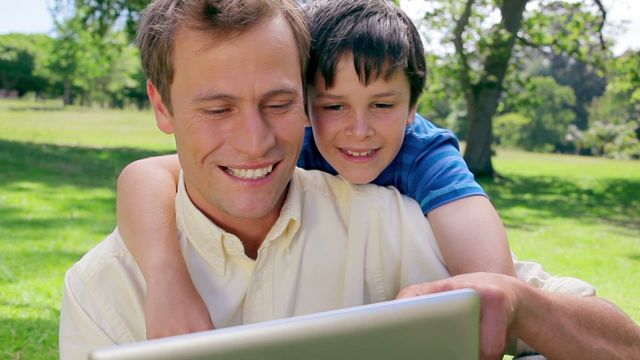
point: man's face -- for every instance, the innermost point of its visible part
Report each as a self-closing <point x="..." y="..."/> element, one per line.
<point x="360" y="129"/>
<point x="238" y="119"/>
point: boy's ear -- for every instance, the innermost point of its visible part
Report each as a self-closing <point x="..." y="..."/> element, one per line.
<point x="163" y="116"/>
<point x="412" y="114"/>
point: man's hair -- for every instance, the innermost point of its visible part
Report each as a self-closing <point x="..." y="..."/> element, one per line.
<point x="223" y="19"/>
<point x="379" y="35"/>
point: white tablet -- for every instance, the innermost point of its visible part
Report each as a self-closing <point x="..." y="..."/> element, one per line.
<point x="438" y="326"/>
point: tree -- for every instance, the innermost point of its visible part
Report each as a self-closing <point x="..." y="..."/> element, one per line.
<point x="545" y="113"/>
<point x="102" y="15"/>
<point x="614" y="118"/>
<point x="23" y="61"/>
<point x="94" y="59"/>
<point x="486" y="34"/>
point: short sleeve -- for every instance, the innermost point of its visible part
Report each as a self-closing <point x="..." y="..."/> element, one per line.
<point x="429" y="167"/>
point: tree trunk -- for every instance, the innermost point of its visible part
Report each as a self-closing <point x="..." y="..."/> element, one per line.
<point x="481" y="106"/>
<point x="483" y="97"/>
<point x="67" y="98"/>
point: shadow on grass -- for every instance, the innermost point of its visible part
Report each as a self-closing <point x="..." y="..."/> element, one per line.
<point x="611" y="200"/>
<point x="37" y="108"/>
<point x="635" y="257"/>
<point x="58" y="165"/>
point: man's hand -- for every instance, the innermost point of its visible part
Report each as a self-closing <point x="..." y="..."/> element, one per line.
<point x="174" y="307"/>
<point x="499" y="302"/>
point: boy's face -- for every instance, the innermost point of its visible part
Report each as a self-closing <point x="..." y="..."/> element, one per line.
<point x="360" y="129"/>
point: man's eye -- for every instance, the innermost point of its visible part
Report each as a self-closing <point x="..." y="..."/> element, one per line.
<point x="217" y="111"/>
<point x="333" y="107"/>
<point x="279" y="106"/>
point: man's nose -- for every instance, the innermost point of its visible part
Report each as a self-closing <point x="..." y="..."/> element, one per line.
<point x="256" y="136"/>
<point x="359" y="127"/>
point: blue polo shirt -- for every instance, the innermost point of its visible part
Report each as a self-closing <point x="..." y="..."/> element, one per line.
<point x="428" y="167"/>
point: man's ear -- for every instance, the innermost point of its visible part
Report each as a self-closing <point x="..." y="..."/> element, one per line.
<point x="164" y="118"/>
<point x="412" y="114"/>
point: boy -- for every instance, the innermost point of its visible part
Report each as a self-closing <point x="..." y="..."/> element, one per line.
<point x="366" y="72"/>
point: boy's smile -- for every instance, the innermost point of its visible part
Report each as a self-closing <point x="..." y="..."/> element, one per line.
<point x="359" y="129"/>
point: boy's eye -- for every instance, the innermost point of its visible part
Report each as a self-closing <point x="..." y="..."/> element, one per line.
<point x="383" y="105"/>
<point x="333" y="107"/>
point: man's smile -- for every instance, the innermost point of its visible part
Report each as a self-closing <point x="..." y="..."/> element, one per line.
<point x="249" y="174"/>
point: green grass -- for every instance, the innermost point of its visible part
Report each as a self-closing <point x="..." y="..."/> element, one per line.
<point x="577" y="216"/>
<point x="57" y="180"/>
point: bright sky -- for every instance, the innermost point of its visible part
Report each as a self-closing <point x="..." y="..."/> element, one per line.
<point x="32" y="16"/>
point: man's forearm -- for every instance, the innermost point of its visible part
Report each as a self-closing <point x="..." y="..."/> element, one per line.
<point x="571" y="327"/>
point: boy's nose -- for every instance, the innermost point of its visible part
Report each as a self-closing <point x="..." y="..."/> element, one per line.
<point x="359" y="128"/>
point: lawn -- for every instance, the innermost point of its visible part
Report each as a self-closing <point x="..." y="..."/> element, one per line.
<point x="578" y="216"/>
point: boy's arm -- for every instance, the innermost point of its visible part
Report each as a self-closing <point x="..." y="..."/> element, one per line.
<point x="147" y="224"/>
<point x="471" y="236"/>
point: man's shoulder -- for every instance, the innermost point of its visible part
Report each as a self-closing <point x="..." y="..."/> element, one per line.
<point x="341" y="191"/>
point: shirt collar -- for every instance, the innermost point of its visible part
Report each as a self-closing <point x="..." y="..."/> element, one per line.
<point x="214" y="244"/>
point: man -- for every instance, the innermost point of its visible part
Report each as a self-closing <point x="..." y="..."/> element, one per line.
<point x="263" y="240"/>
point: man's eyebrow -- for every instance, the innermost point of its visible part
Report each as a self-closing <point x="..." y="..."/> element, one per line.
<point x="207" y="97"/>
<point x="213" y="97"/>
<point x="288" y="91"/>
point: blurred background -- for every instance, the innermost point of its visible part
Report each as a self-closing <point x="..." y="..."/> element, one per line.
<point x="543" y="94"/>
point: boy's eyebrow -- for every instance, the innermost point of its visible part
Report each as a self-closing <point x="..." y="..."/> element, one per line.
<point x="328" y="96"/>
<point x="388" y="93"/>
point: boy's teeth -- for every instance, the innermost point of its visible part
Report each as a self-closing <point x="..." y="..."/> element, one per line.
<point x="356" y="153"/>
<point x="251" y="174"/>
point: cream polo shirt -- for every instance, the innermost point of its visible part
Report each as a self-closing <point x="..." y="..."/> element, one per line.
<point x="334" y="245"/>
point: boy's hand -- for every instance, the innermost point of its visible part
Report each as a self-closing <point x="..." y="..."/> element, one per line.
<point x="174" y="307"/>
<point x="499" y="303"/>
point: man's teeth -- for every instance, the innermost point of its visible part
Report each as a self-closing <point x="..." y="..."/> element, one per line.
<point x="357" y="153"/>
<point x="251" y="174"/>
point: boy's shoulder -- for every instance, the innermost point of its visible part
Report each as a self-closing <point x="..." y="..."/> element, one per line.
<point x="423" y="130"/>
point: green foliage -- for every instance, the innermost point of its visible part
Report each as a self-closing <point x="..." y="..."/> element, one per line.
<point x="618" y="141"/>
<point x="614" y="118"/>
<point x="566" y="28"/>
<point x="23" y="61"/>
<point x="102" y="16"/>
<point x="94" y="67"/>
<point x="545" y="116"/>
<point x="509" y="129"/>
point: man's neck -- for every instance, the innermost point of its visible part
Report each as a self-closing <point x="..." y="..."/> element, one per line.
<point x="250" y="231"/>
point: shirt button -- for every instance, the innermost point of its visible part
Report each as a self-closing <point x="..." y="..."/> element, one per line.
<point x="228" y="242"/>
<point x="259" y="275"/>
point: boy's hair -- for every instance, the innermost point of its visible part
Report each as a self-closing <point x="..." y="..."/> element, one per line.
<point x="380" y="36"/>
<point x="223" y="19"/>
